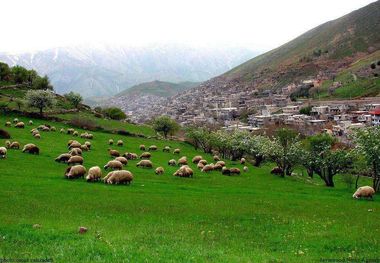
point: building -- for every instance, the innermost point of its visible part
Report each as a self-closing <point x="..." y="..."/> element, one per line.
<point x="375" y="116"/>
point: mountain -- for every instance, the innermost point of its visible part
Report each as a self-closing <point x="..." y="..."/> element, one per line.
<point x="158" y="88"/>
<point x="106" y="70"/>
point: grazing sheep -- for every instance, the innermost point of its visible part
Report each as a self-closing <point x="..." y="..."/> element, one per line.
<point x="53" y="129"/>
<point x="45" y="129"/>
<point x="277" y="171"/>
<point x="122" y="159"/>
<point x="75" y="151"/>
<point x="76" y="159"/>
<point x="245" y="169"/>
<point x="114" y="165"/>
<point x="8" y="124"/>
<point x="184" y="171"/>
<point x="75" y="134"/>
<point x="177" y="151"/>
<point x="197" y="158"/>
<point x="234" y="171"/>
<point x="31" y="148"/>
<point x="37" y="136"/>
<point x="70" y="131"/>
<point x="208" y="168"/>
<point x="142" y="147"/>
<point x="172" y="162"/>
<point x="200" y="166"/>
<point x="94" y="174"/>
<point x="114" y="153"/>
<point x="72" y="141"/>
<point x="88" y="144"/>
<point x="15" y="120"/>
<point x="84" y="148"/>
<point x="63" y="158"/>
<point x="216" y="158"/>
<point x="30" y="122"/>
<point x="130" y="156"/>
<point x="159" y="170"/>
<point x="74" y="144"/>
<point x="120" y="143"/>
<point x="83" y="135"/>
<point x="364" y="191"/>
<point x="152" y="148"/>
<point x="62" y="130"/>
<point x="226" y="171"/>
<point x="75" y="171"/>
<point x="119" y="177"/>
<point x="218" y="166"/>
<point x="145" y="164"/>
<point x="3" y="152"/>
<point x="90" y="136"/>
<point x="7" y="144"/>
<point x="14" y="145"/>
<point x="221" y="163"/>
<point x="20" y="125"/>
<point x="166" y="149"/>
<point x="35" y="131"/>
<point x="145" y="155"/>
<point x="203" y="161"/>
<point x="182" y="161"/>
<point x="242" y="160"/>
<point x="110" y="142"/>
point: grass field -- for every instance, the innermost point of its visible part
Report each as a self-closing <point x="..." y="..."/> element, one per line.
<point x="255" y="217"/>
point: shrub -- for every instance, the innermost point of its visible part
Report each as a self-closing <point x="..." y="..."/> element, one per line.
<point x="83" y="123"/>
<point x="114" y="113"/>
<point x="4" y="134"/>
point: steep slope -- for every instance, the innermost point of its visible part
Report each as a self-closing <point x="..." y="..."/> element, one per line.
<point x="107" y="70"/>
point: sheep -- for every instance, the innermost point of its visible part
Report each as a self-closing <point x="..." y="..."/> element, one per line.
<point x="277" y="171"/>
<point x="196" y="159"/>
<point x="145" y="155"/>
<point x="83" y="135"/>
<point x="15" y="120"/>
<point x="41" y="127"/>
<point x="203" y="161"/>
<point x="75" y="134"/>
<point x="113" y="153"/>
<point x="245" y="169"/>
<point x="62" y="130"/>
<point x="207" y="168"/>
<point x="172" y="162"/>
<point x="145" y="164"/>
<point x="216" y="158"/>
<point x="14" y="145"/>
<point x="30" y="122"/>
<point x="31" y="148"/>
<point x="226" y="171"/>
<point x="364" y="191"/>
<point x="177" y="151"/>
<point x="221" y="163"/>
<point x="120" y="143"/>
<point x="152" y="148"/>
<point x="53" y="129"/>
<point x="242" y="160"/>
<point x="35" y="131"/>
<point x="37" y="136"/>
<point x="45" y="129"/>
<point x="200" y="166"/>
<point x="76" y="159"/>
<point x="218" y="166"/>
<point x="71" y="141"/>
<point x="88" y="144"/>
<point x="114" y="165"/>
<point x="110" y="142"/>
<point x="8" y="124"/>
<point x="74" y="144"/>
<point x="130" y="156"/>
<point x="70" y="131"/>
<point x="182" y="161"/>
<point x="7" y="144"/>
<point x="63" y="158"/>
<point x="84" y="147"/>
<point x="142" y="147"/>
<point x="184" y="171"/>
<point x="166" y="149"/>
<point x="94" y="174"/>
<point x="90" y="136"/>
<point x="75" y="151"/>
<point x="20" y="125"/>
<point x="119" y="177"/>
<point x="3" y="152"/>
<point x="75" y="171"/>
<point x="234" y="171"/>
<point x="159" y="170"/>
<point x="122" y="159"/>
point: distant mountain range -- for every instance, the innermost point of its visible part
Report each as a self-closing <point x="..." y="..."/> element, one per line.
<point x="108" y="70"/>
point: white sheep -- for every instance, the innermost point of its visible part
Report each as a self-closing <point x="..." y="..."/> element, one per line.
<point x="94" y="174"/>
<point x="364" y="191"/>
<point x="3" y="152"/>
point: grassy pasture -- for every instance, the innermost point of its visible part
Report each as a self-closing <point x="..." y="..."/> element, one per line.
<point x="255" y="217"/>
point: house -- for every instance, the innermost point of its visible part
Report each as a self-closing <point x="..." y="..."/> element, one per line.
<point x="375" y="116"/>
<point x="291" y="109"/>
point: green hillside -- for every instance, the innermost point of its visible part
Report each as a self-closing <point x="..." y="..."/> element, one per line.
<point x="158" y="88"/>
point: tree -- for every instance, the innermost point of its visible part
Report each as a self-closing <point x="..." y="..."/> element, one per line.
<point x="5" y="72"/>
<point x="114" y="113"/>
<point x="306" y="110"/>
<point x="42" y="83"/>
<point x="200" y="137"/>
<point x="74" y="98"/>
<point x="40" y="99"/>
<point x="19" y="103"/>
<point x="165" y="125"/>
<point x="19" y="74"/>
<point x="367" y="143"/>
<point x="32" y="76"/>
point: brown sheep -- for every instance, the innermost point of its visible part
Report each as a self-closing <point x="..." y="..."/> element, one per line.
<point x="114" y="165"/>
<point x="119" y="177"/>
<point x="75" y="171"/>
<point x="364" y="191"/>
<point x="166" y="149"/>
<point x="122" y="159"/>
<point x="75" y="151"/>
<point x="145" y="155"/>
<point x="208" y="168"/>
<point x="182" y="161"/>
<point x="63" y="158"/>
<point x="113" y="153"/>
<point x="3" y="152"/>
<point x="197" y="158"/>
<point x="14" y="145"/>
<point x="242" y="160"/>
<point x="31" y="148"/>
<point x="145" y="164"/>
<point x="234" y="171"/>
<point x="200" y="166"/>
<point x="152" y="148"/>
<point x="120" y="143"/>
<point x="172" y="162"/>
<point x="20" y="125"/>
<point x="177" y="151"/>
<point x="142" y="147"/>
<point x="216" y="158"/>
<point x="94" y="174"/>
<point x="184" y="171"/>
<point x="159" y="170"/>
<point x="77" y="159"/>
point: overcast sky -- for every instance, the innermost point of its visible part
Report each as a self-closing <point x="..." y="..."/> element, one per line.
<point x="261" y="25"/>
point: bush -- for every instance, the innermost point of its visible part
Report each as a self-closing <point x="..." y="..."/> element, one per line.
<point x="83" y="123"/>
<point x="4" y="134"/>
<point x="114" y="113"/>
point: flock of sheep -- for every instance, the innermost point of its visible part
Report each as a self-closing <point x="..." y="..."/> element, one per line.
<point x="73" y="158"/>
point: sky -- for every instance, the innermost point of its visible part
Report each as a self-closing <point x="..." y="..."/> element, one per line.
<point x="29" y="25"/>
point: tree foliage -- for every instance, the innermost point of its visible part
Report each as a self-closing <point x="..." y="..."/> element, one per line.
<point x="40" y="99"/>
<point x="165" y="125"/>
<point x="74" y="98"/>
<point x="114" y="113"/>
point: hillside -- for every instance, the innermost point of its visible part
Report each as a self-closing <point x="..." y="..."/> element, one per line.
<point x="158" y="88"/>
<point x="106" y="70"/>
